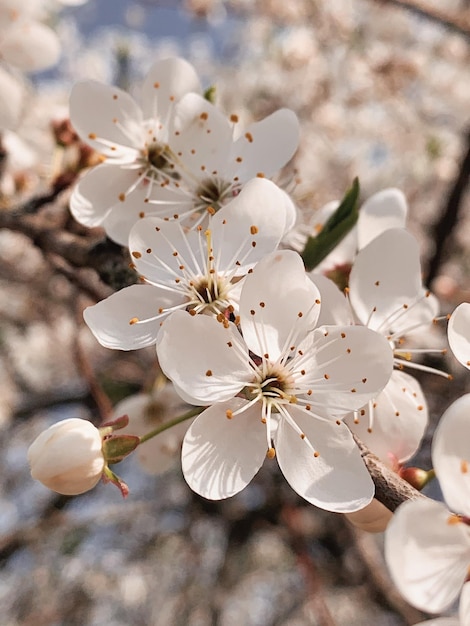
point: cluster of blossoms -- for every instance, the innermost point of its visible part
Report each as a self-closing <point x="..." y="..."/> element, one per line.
<point x="275" y="361"/>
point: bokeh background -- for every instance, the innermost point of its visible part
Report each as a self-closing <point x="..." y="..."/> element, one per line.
<point x="382" y="91"/>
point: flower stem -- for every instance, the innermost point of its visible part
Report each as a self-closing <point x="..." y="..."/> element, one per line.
<point x="170" y="424"/>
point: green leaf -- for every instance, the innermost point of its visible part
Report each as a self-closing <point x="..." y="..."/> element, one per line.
<point x="334" y="230"/>
<point x="209" y="94"/>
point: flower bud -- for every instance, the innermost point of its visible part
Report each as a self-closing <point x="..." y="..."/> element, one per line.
<point x="67" y="457"/>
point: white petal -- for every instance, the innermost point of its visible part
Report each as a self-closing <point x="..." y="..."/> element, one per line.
<point x="201" y="136"/>
<point x="451" y="455"/>
<point x="167" y="81"/>
<point x="464" y="608"/>
<point x="160" y="248"/>
<point x="393" y="424"/>
<point x="458" y="333"/>
<point x="335" y="307"/>
<point x="427" y="556"/>
<point x="250" y="226"/>
<point x="337" y="479"/>
<point x="344" y="367"/>
<point x="220" y="456"/>
<point x="138" y="204"/>
<point x="30" y="46"/>
<point x="283" y="300"/>
<point x="266" y="146"/>
<point x="109" y="320"/>
<point x="202" y="357"/>
<point x="385" y="281"/>
<point x="11" y="107"/>
<point x="385" y="209"/>
<point x="108" y="119"/>
<point x="98" y="191"/>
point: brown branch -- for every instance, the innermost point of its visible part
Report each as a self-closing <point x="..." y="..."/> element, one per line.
<point x="390" y="489"/>
<point x="441" y="231"/>
<point x="46" y="232"/>
<point x="457" y="23"/>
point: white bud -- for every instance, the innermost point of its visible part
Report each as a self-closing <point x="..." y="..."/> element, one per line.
<point x="67" y="457"/>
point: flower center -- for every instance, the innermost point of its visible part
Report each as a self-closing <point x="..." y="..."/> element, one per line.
<point x="212" y="192"/>
<point x="209" y="294"/>
<point x="273" y="384"/>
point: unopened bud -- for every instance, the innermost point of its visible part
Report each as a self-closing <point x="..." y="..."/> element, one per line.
<point x="67" y="457"/>
<point x="416" y="477"/>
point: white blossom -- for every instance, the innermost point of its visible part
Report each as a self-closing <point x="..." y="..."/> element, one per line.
<point x="200" y="271"/>
<point x="280" y="390"/>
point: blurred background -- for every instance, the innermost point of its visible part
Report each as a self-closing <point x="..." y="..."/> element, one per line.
<point x="382" y="91"/>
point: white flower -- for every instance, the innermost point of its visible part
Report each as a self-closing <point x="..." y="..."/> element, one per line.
<point x="67" y="457"/>
<point x="458" y="333"/>
<point x="174" y="159"/>
<point x="215" y="158"/>
<point x="386" y="295"/>
<point x="198" y="270"/>
<point x="427" y="548"/>
<point x="147" y="411"/>
<point x="134" y="141"/>
<point x="294" y="384"/>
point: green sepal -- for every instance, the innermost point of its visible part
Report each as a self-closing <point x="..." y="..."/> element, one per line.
<point x="110" y="477"/>
<point x="334" y="230"/>
<point x="209" y="94"/>
<point x="117" y="447"/>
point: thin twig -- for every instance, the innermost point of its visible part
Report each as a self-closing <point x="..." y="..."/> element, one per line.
<point x="457" y="23"/>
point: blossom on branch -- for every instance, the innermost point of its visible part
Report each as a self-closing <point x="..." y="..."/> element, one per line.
<point x="280" y="390"/>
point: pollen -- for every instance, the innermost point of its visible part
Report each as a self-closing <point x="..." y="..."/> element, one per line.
<point x="464" y="466"/>
<point x="254" y="230"/>
<point x="156" y="85"/>
<point x="260" y="175"/>
<point x="364" y="380"/>
<point x="343" y="335"/>
<point x="271" y="453"/>
<point x="420" y="407"/>
<point x="377" y="283"/>
<point x="362" y="412"/>
<point x="228" y="414"/>
<point x="204" y="115"/>
<point x="316" y="454"/>
<point x="302" y="435"/>
<point x="91" y="135"/>
<point x="249" y="136"/>
<point x="136" y="254"/>
<point x="122" y="197"/>
<point x="234" y="118"/>
<point x="300" y="314"/>
<point x="209" y="373"/>
<point x="141" y="214"/>
<point x="262" y="304"/>
<point x="115" y="97"/>
<point x="353" y="390"/>
<point x="326" y="376"/>
<point x="133" y="321"/>
<point x="149" y="251"/>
